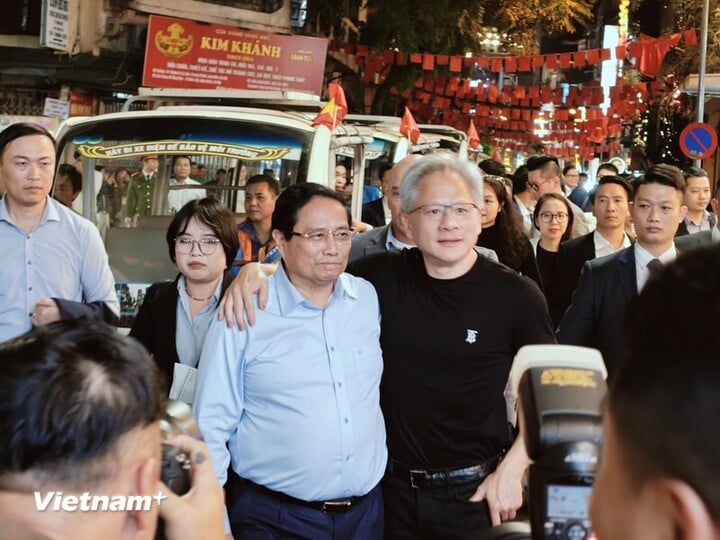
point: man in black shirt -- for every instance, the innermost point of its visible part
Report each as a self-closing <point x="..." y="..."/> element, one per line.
<point x="451" y="324"/>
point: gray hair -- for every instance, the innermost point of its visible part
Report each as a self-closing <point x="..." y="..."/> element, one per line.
<point x="468" y="171"/>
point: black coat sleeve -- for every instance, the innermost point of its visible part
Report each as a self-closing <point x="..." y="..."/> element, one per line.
<point x="90" y="311"/>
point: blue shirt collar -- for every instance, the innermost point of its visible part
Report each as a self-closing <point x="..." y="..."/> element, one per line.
<point x="289" y="298"/>
<point x="50" y="213"/>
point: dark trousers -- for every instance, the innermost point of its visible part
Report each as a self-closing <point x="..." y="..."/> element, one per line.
<point x="437" y="513"/>
<point x="257" y="515"/>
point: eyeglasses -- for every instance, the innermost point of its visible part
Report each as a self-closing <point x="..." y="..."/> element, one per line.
<point x="341" y="236"/>
<point x="547" y="217"/>
<point x="536" y="187"/>
<point x="207" y="245"/>
<point x="437" y="211"/>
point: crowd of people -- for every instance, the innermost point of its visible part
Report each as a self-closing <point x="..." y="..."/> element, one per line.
<point x="356" y="385"/>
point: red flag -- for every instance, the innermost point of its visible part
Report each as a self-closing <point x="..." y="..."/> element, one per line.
<point x="408" y="127"/>
<point x="336" y="92"/>
<point x="335" y="110"/>
<point x="473" y="138"/>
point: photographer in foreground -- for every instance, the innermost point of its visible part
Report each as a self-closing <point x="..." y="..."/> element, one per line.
<point x="659" y="476"/>
<point x="79" y="411"/>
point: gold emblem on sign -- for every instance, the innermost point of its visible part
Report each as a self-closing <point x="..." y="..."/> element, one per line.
<point x="172" y="43"/>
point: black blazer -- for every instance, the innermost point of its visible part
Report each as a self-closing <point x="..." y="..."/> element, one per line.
<point x="156" y="323"/>
<point x="597" y="313"/>
<point x="573" y="254"/>
<point x="373" y="213"/>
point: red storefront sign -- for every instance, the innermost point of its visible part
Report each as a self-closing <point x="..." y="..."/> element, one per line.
<point x="184" y="54"/>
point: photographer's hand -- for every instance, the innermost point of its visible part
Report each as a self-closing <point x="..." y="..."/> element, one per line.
<point x="503" y="488"/>
<point x="199" y="514"/>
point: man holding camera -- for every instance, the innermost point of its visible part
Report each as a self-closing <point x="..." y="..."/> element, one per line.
<point x="81" y="452"/>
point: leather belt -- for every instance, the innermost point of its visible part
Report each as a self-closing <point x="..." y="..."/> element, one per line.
<point x="432" y="478"/>
<point x="334" y="506"/>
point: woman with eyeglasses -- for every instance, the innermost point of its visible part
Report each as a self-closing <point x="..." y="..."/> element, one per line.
<point x="553" y="217"/>
<point x="502" y="232"/>
<point x="174" y="317"/>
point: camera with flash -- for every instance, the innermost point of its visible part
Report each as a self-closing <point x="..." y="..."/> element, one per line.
<point x="560" y="389"/>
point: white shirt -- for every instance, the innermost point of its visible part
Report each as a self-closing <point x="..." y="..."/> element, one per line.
<point x="704" y="225"/>
<point x="715" y="234"/>
<point x="642" y="258"/>
<point x="177" y="198"/>
<point x="603" y="247"/>
<point x="393" y="243"/>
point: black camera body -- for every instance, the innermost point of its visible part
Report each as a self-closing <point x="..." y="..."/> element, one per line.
<point x="175" y="464"/>
<point x="560" y="390"/>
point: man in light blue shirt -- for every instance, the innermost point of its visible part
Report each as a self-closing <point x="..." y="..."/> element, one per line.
<point x="292" y="404"/>
<point x="55" y="265"/>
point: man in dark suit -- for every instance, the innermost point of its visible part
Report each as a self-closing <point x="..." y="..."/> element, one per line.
<point x="377" y="213"/>
<point x="392" y="235"/>
<point x="703" y="238"/>
<point x="697" y="197"/>
<point x="596" y="316"/>
<point x="611" y="209"/>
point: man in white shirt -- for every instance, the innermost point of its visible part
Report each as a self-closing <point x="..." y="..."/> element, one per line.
<point x="177" y="198"/>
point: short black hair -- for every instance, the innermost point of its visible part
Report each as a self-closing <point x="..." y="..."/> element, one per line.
<point x="221" y="170"/>
<point x="567" y="168"/>
<point x="694" y="171"/>
<point x="294" y="198"/>
<point x="519" y="179"/>
<point x="665" y="395"/>
<point x="21" y="129"/>
<point x="539" y="161"/>
<point x="608" y="167"/>
<point x="613" y="179"/>
<point x="72" y="174"/>
<point x="493" y="167"/>
<point x="662" y="173"/>
<point x="385" y="167"/>
<point x="181" y="157"/>
<point x="68" y="392"/>
<point x="273" y="184"/>
<point x="212" y="213"/>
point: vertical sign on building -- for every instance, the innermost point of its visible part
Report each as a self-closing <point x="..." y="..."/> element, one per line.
<point x="54" y="25"/>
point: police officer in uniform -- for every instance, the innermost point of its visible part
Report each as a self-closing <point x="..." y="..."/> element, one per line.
<point x="141" y="190"/>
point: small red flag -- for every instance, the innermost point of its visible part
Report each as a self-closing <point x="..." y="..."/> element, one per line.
<point x="336" y="92"/>
<point x="333" y="113"/>
<point x="473" y="138"/>
<point x="408" y="127"/>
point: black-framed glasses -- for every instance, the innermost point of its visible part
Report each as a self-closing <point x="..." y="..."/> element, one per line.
<point x="547" y="217"/>
<point x="341" y="236"/>
<point x="437" y="211"/>
<point x="536" y="187"/>
<point x="207" y="244"/>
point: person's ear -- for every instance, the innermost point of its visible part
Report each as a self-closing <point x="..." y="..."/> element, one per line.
<point x="405" y="222"/>
<point x="688" y="512"/>
<point x="141" y="522"/>
<point x="279" y="239"/>
<point x="683" y="213"/>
